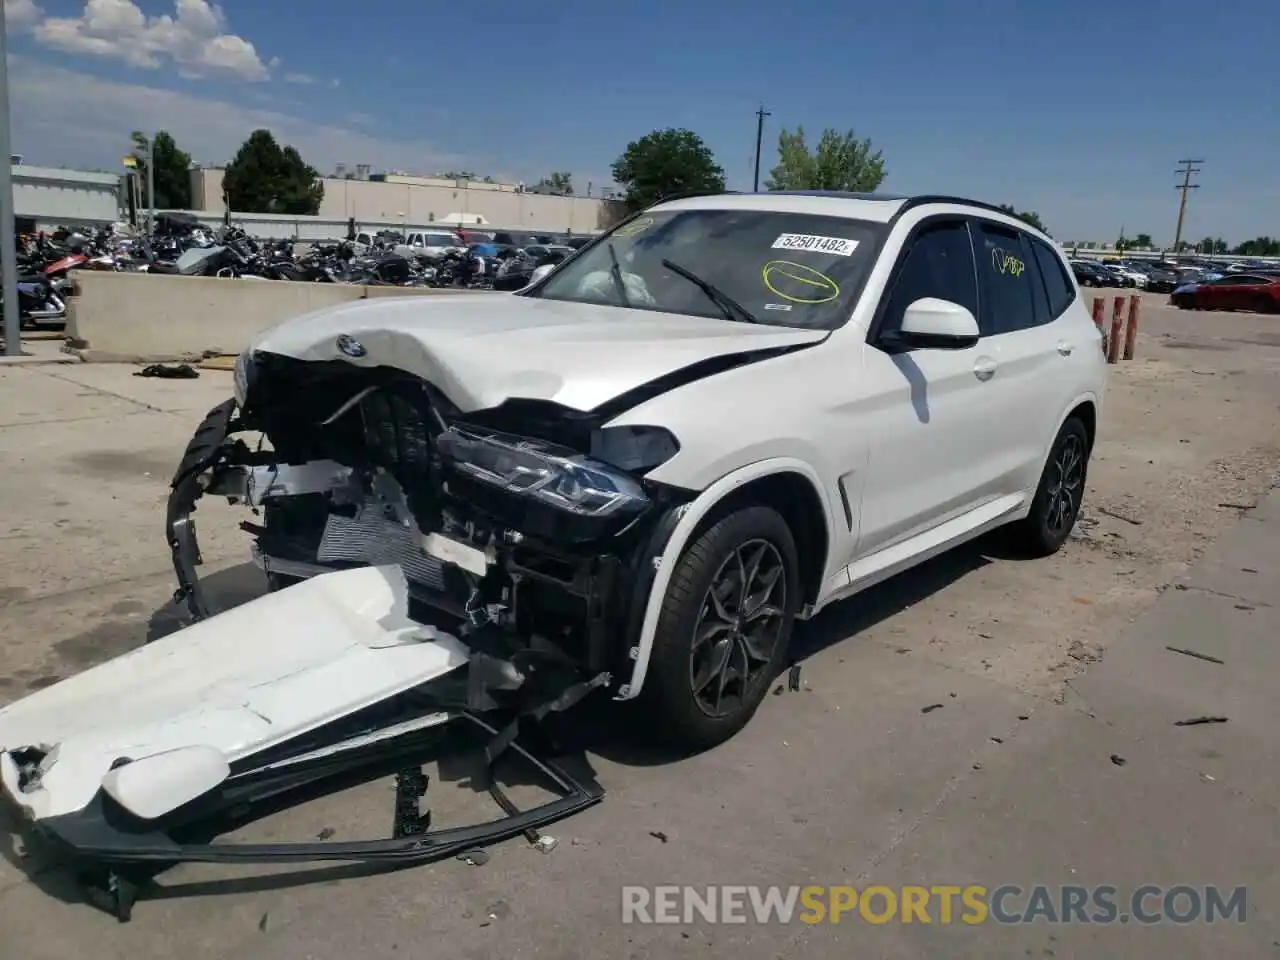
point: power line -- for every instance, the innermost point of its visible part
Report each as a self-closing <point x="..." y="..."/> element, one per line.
<point x="760" y="115"/>
<point x="1186" y="168"/>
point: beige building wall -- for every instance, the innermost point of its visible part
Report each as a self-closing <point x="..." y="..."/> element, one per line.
<point x="417" y="201"/>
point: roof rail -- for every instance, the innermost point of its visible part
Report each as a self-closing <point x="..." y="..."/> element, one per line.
<point x="842" y="195"/>
<point x="944" y="198"/>
<point x="980" y="204"/>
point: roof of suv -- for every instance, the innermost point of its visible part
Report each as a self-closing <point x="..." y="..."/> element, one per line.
<point x="877" y="207"/>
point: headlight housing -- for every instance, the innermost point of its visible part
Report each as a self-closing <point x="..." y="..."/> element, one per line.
<point x="553" y="475"/>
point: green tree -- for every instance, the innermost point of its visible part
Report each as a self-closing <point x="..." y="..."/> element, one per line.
<point x="1029" y="217"/>
<point x="558" y="183"/>
<point x="1143" y="241"/>
<point x="172" y="174"/>
<point x="840" y="162"/>
<point x="265" y="178"/>
<point x="1259" y="247"/>
<point x="664" y="163"/>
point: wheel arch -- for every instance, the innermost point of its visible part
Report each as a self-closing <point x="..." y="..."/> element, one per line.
<point x="790" y="486"/>
<point x="1086" y="410"/>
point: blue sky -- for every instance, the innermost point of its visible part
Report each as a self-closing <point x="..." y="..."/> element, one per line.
<point x="1078" y="111"/>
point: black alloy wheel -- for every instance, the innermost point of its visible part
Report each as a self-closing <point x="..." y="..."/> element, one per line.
<point x="1056" y="505"/>
<point x="1066" y="485"/>
<point x="724" y="630"/>
<point x="742" y="621"/>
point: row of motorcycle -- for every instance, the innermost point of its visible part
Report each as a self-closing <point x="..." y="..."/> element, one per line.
<point x="182" y="245"/>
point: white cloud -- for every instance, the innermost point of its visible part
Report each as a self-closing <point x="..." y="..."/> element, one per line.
<point x="304" y="79"/>
<point x="62" y="117"/>
<point x="21" y="14"/>
<point x="194" y="37"/>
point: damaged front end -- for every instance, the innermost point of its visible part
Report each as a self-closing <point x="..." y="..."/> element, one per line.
<point x="529" y="527"/>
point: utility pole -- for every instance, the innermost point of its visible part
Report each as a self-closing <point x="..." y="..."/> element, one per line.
<point x="8" y="250"/>
<point x="760" y="115"/>
<point x="1186" y="168"/>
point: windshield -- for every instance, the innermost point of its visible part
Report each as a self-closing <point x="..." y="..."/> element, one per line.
<point x="784" y="269"/>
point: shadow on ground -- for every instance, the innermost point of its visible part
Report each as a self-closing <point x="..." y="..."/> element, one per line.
<point x="223" y="590"/>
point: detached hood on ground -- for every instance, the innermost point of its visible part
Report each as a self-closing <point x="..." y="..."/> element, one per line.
<point x="482" y="349"/>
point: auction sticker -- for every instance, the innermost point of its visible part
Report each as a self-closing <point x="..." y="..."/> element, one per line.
<point x="807" y="242"/>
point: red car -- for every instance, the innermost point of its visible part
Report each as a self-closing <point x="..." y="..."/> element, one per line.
<point x="1258" y="292"/>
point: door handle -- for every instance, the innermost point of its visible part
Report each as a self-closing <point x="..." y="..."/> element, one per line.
<point x="984" y="368"/>
<point x="1065" y="348"/>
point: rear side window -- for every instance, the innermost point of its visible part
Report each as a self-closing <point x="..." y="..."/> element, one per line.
<point x="939" y="264"/>
<point x="1004" y="280"/>
<point x="1057" y="285"/>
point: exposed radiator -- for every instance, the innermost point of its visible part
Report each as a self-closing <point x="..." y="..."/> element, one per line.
<point x="371" y="538"/>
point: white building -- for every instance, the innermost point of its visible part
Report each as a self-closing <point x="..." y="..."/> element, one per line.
<point x="45" y="198"/>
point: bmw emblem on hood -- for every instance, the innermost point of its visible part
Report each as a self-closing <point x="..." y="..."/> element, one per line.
<point x="351" y="346"/>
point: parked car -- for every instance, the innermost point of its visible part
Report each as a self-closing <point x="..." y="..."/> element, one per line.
<point x="1135" y="277"/>
<point x="1236" y="291"/>
<point x="1160" y="280"/>
<point x="521" y="239"/>
<point x="730" y="413"/>
<point x="1089" y="274"/>
<point x="1115" y="277"/>
<point x="431" y="244"/>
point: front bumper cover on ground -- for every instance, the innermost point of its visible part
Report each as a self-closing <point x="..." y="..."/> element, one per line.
<point x="118" y="854"/>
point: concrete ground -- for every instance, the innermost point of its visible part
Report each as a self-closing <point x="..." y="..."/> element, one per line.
<point x="1053" y="758"/>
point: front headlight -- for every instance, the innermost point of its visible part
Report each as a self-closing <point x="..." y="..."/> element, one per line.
<point x="554" y="475"/>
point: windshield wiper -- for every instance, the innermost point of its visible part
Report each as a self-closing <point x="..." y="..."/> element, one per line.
<point x="615" y="271"/>
<point x="731" y="308"/>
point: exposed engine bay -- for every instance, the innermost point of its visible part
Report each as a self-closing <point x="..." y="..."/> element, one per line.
<point x="530" y="526"/>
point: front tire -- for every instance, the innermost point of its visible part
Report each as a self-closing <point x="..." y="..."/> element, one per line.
<point x="1056" y="505"/>
<point x="724" y="628"/>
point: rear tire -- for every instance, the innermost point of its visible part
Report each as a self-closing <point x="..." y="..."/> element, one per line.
<point x="1056" y="505"/>
<point x="724" y="628"/>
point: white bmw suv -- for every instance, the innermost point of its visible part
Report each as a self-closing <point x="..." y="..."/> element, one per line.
<point x="714" y="420"/>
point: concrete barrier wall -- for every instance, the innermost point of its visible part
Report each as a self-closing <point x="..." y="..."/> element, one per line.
<point x="144" y="318"/>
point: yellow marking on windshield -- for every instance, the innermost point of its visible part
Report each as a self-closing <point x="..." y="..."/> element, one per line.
<point x="635" y="227"/>
<point x="798" y="283"/>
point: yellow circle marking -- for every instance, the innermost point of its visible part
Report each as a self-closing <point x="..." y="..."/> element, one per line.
<point x="822" y="288"/>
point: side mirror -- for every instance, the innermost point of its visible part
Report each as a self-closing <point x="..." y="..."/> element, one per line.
<point x="933" y="324"/>
<point x="541" y="272"/>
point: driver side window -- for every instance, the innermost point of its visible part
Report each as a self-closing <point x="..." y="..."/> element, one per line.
<point x="938" y="264"/>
